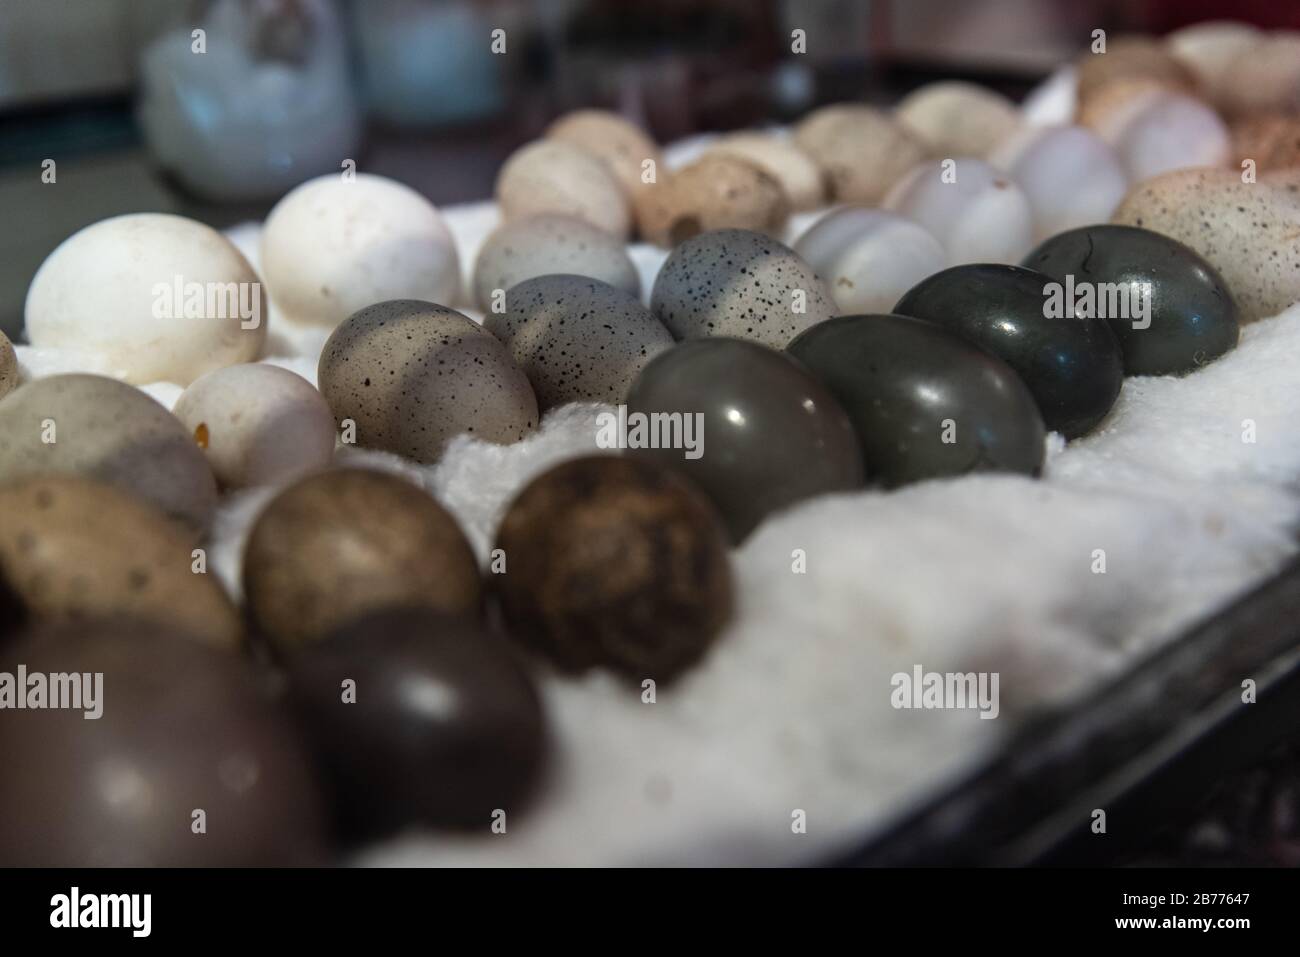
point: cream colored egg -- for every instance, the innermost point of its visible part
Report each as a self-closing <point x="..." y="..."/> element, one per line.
<point x="552" y="176"/>
<point x="1208" y="48"/>
<point x="1264" y="76"/>
<point x="154" y="297"/>
<point x="780" y="159"/>
<point x="1127" y="58"/>
<point x="258" y="424"/>
<point x="861" y="151"/>
<point x="335" y="245"/>
<point x="622" y="146"/>
<point x="714" y="192"/>
<point x="958" y="119"/>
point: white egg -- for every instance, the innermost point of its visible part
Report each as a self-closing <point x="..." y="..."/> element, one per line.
<point x="1072" y="178"/>
<point x="151" y="296"/>
<point x="258" y="424"/>
<point x="334" y="245"/>
<point x="977" y="212"/>
<point x="1172" y="132"/>
<point x="869" y="258"/>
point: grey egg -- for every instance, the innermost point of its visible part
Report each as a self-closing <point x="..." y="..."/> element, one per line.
<point x="577" y="339"/>
<point x="100" y="428"/>
<point x="412" y="375"/>
<point x="742" y="284"/>
<point x="547" y="244"/>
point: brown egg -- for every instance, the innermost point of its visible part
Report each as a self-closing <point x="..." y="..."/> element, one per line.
<point x="8" y="366"/>
<point x="622" y="146"/>
<point x="1272" y="140"/>
<point x="861" y="151"/>
<point x="778" y="157"/>
<point x="342" y="543"/>
<point x="614" y="562"/>
<point x="551" y="176"/>
<point x="1265" y="76"/>
<point x="72" y="548"/>
<point x="1129" y="58"/>
<point x="715" y="192"/>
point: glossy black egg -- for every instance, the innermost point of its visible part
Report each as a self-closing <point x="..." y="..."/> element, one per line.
<point x="1072" y="364"/>
<point x="419" y="720"/>
<point x="1190" y="317"/>
<point x="925" y="402"/>
<point x="764" y="432"/>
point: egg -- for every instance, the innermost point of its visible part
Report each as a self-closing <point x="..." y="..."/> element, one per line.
<point x="954" y="118"/>
<point x="345" y="542"/>
<point x="1131" y="57"/>
<point x="1172" y="132"/>
<point x="8" y="366"/>
<point x="1264" y="76"/>
<point x="577" y="339"/>
<point x="977" y="212"/>
<point x="335" y="245"/>
<point x="733" y="282"/>
<point x="715" y="192"/>
<point x="1270" y="140"/>
<point x="182" y="729"/>
<point x="869" y="258"/>
<point x="1070" y="176"/>
<point x="546" y="244"/>
<point x="1072" y="364"/>
<point x="1207" y="49"/>
<point x="411" y="375"/>
<point x="1112" y="108"/>
<point x="1248" y="232"/>
<point x="622" y="146"/>
<point x="769" y="435"/>
<point x="552" y="176"/>
<point x="1186" y="316"/>
<point x="154" y="297"/>
<point x="615" y="563"/>
<point x="257" y="424"/>
<point x="73" y="549"/>
<point x="861" y="151"/>
<point x="103" y="429"/>
<point x="799" y="177"/>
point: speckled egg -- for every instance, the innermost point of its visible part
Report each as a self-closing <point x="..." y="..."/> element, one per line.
<point x="614" y="562"/>
<point x="552" y="176"/>
<point x="1069" y="174"/>
<point x="715" y="192"/>
<point x="954" y="118"/>
<point x="1208" y="48"/>
<point x="862" y="151"/>
<point x="742" y="284"/>
<point x="976" y="211"/>
<point x="339" y="544"/>
<point x="103" y="429"/>
<point x="1272" y="140"/>
<point x="781" y="159"/>
<point x="258" y="424"/>
<point x="72" y="548"/>
<point x="577" y="339"/>
<point x="1264" y="76"/>
<point x="153" y="297"/>
<point x="869" y="258"/>
<point x="413" y="375"/>
<point x="622" y="146"/>
<point x="1249" y="232"/>
<point x="334" y="245"/>
<point x="8" y="366"/>
<point x="547" y="244"/>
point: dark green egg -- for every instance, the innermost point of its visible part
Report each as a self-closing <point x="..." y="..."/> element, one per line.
<point x="925" y="403"/>
<point x="768" y="433"/>
<point x="1072" y="365"/>
<point x="1192" y="316"/>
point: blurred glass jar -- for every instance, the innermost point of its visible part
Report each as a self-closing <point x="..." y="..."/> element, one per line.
<point x="261" y="102"/>
<point x="429" y="62"/>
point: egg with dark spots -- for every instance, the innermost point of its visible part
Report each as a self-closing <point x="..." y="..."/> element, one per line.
<point x="413" y="375"/>
<point x="100" y="428"/>
<point x="545" y="245"/>
<point x="742" y="284"/>
<point x="616" y="563"/>
<point x="1072" y="364"/>
<point x="1170" y="309"/>
<point x="73" y="549"/>
<point x="925" y="402"/>
<point x="717" y="191"/>
<point x="577" y="339"/>
<point x="340" y="544"/>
